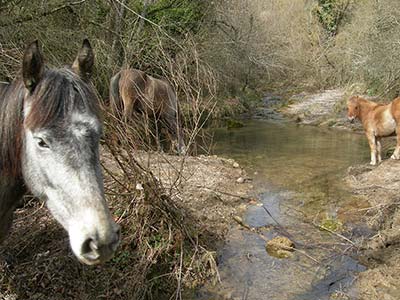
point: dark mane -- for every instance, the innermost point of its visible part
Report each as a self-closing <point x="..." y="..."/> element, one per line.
<point x="11" y="118"/>
<point x="58" y="94"/>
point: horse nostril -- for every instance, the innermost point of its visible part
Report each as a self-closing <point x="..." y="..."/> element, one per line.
<point x="89" y="247"/>
<point x="93" y="245"/>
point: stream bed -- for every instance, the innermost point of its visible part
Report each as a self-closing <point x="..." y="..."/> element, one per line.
<point x="297" y="173"/>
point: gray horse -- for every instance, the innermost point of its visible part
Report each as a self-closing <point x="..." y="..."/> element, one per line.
<point x="49" y="143"/>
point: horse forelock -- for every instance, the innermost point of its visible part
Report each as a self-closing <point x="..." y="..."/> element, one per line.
<point x="59" y="94"/>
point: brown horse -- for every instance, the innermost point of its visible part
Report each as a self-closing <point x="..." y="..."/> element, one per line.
<point x="132" y="91"/>
<point x="49" y="143"/>
<point x="379" y="121"/>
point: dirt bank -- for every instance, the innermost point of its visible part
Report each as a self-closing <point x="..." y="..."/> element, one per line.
<point x="326" y="108"/>
<point x="380" y="187"/>
<point x="168" y="243"/>
<point x="211" y="188"/>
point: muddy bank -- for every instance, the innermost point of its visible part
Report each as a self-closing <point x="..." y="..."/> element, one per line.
<point x="380" y="187"/>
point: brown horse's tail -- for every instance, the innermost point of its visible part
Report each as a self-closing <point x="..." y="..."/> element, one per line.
<point x="115" y="96"/>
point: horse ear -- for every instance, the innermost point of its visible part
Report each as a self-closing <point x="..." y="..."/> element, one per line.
<point x="32" y="66"/>
<point x="84" y="61"/>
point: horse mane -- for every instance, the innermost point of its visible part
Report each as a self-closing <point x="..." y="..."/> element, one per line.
<point x="57" y="95"/>
<point x="362" y="100"/>
<point x="11" y="119"/>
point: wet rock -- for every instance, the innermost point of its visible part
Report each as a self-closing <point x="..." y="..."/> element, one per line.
<point x="280" y="247"/>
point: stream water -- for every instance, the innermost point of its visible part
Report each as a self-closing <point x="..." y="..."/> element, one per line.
<point x="297" y="174"/>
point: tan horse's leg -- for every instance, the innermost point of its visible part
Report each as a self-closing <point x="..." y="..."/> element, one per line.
<point x="396" y="153"/>
<point x="372" y="145"/>
<point x="379" y="149"/>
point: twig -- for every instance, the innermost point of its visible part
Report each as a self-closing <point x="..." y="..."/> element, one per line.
<point x="335" y="233"/>
<point x="43" y="14"/>
<point x="224" y="193"/>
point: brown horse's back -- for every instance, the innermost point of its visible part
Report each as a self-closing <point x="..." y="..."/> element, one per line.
<point x="164" y="99"/>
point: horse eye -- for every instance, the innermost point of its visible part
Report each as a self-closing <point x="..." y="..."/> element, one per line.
<point x="42" y="143"/>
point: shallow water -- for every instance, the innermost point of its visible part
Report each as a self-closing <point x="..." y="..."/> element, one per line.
<point x="297" y="173"/>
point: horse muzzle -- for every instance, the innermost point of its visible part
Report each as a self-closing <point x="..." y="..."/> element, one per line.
<point x="95" y="251"/>
<point x="92" y="248"/>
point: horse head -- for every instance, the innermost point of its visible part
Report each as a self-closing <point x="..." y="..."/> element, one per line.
<point x="353" y="108"/>
<point x="60" y="153"/>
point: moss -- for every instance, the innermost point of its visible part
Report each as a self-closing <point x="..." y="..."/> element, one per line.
<point x="231" y="124"/>
<point x="331" y="224"/>
<point x="280" y="247"/>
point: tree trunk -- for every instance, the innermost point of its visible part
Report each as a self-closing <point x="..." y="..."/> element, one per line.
<point x="117" y="56"/>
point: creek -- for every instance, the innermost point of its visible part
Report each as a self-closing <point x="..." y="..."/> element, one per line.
<point x="297" y="173"/>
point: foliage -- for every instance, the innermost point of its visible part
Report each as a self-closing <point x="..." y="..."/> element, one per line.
<point x="330" y="13"/>
<point x="178" y="17"/>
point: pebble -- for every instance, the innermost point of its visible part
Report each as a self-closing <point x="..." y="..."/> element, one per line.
<point x="240" y="180"/>
<point x="235" y="165"/>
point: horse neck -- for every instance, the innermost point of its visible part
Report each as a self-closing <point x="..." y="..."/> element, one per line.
<point x="365" y="107"/>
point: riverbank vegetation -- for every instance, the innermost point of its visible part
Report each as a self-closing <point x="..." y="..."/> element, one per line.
<point x="231" y="48"/>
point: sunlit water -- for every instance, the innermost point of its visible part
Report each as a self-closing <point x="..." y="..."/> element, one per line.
<point x="298" y="175"/>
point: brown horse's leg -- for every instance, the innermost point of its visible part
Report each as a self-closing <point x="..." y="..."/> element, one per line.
<point x="372" y="145"/>
<point x="396" y="153"/>
<point x="175" y="133"/>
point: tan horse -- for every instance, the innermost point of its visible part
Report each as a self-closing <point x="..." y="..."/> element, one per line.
<point x="378" y="121"/>
<point x="133" y="90"/>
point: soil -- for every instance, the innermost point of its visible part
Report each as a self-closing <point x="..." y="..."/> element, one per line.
<point x="212" y="188"/>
